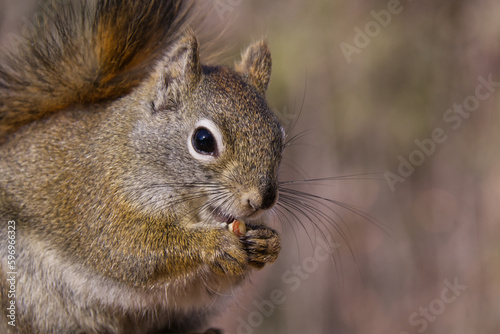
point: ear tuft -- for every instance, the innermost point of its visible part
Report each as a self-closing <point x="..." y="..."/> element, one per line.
<point x="255" y="65"/>
<point x="179" y="72"/>
<point x="184" y="60"/>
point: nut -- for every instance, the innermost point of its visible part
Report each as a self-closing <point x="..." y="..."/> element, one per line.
<point x="238" y="228"/>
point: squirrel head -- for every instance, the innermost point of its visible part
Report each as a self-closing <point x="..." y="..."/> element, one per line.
<point x="207" y="144"/>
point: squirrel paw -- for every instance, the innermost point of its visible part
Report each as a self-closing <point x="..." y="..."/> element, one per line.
<point x="262" y="245"/>
<point x="227" y="256"/>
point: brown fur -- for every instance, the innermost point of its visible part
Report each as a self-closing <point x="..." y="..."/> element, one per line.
<point x="117" y="220"/>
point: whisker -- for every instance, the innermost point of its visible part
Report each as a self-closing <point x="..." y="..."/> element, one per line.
<point x="386" y="229"/>
<point x="336" y="259"/>
<point x="291" y="209"/>
<point x="318" y="214"/>
<point x="209" y="205"/>
<point x="294" y="123"/>
<point x="283" y="216"/>
<point x="295" y="194"/>
<point x="361" y="176"/>
<point x="292" y="140"/>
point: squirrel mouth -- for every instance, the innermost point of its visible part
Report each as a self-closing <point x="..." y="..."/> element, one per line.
<point x="221" y="217"/>
<point x="238" y="227"/>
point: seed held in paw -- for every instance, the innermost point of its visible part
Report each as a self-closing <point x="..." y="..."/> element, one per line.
<point x="238" y="228"/>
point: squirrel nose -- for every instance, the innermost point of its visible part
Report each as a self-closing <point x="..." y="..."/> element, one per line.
<point x="260" y="199"/>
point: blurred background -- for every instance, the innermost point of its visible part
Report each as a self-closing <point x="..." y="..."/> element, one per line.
<point x="399" y="100"/>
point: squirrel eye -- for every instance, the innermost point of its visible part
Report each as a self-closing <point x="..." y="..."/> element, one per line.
<point x="203" y="142"/>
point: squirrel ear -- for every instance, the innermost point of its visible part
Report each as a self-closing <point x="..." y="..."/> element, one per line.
<point x="179" y="72"/>
<point x="255" y="65"/>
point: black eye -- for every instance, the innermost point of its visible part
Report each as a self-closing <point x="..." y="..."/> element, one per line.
<point x="204" y="142"/>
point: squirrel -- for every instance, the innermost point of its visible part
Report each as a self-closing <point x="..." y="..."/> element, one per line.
<point x="123" y="160"/>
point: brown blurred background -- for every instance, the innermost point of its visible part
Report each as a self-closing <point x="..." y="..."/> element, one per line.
<point x="396" y="88"/>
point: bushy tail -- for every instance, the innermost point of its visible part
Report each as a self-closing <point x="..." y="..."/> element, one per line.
<point x="89" y="51"/>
